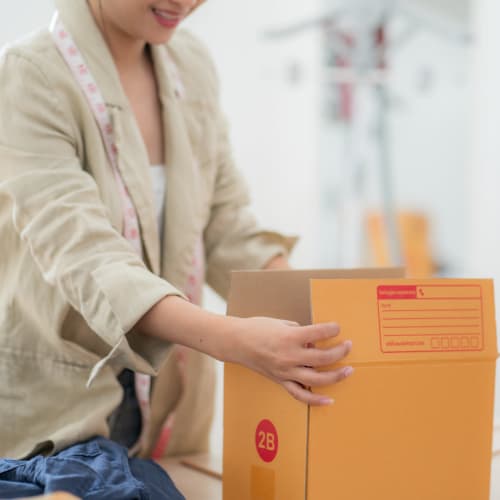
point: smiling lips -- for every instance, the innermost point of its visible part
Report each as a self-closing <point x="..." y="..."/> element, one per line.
<point x="167" y="19"/>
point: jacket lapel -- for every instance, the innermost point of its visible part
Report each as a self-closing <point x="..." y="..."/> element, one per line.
<point x="133" y="158"/>
<point x="183" y="218"/>
<point x="133" y="162"/>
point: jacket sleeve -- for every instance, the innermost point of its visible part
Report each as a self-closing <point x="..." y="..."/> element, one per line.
<point x="233" y="238"/>
<point x="55" y="209"/>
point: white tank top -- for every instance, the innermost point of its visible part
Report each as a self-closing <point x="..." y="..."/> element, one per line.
<point x="158" y="180"/>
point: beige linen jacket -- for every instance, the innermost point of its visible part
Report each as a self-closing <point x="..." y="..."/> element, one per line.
<point x="71" y="287"/>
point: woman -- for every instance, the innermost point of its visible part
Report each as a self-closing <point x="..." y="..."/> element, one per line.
<point x="98" y="263"/>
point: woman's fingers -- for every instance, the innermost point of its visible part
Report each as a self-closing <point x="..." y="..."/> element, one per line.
<point x="300" y="393"/>
<point x="309" y="377"/>
<point x="287" y="354"/>
<point x="316" y="358"/>
<point x="316" y="333"/>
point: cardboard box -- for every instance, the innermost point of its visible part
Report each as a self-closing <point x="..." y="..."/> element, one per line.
<point x="415" y="420"/>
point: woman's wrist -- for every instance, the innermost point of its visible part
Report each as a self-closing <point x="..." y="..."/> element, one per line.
<point x="180" y="322"/>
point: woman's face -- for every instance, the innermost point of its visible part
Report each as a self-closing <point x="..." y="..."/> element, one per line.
<point x="153" y="21"/>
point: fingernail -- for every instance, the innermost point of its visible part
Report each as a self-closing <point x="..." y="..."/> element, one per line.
<point x="348" y="344"/>
<point x="349" y="370"/>
<point x="326" y="402"/>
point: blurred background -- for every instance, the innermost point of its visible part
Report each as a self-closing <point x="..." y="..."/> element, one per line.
<point x="371" y="128"/>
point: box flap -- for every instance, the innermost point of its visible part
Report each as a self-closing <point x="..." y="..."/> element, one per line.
<point x="415" y="419"/>
<point x="405" y="320"/>
<point x="286" y="294"/>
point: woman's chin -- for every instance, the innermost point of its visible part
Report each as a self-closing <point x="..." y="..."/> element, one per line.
<point x="160" y="39"/>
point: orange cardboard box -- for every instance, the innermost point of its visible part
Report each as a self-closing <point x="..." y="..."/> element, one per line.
<point x="415" y="420"/>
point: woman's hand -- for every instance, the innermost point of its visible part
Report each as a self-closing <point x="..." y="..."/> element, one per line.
<point x="286" y="353"/>
<point x="282" y="351"/>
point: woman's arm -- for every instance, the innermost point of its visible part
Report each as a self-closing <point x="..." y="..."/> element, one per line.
<point x="280" y="350"/>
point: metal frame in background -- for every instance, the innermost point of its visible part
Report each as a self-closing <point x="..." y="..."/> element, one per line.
<point x="369" y="68"/>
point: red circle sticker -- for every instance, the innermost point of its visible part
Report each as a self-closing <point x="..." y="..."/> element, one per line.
<point x="266" y="441"/>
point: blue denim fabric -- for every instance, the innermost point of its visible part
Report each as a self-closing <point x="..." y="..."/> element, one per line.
<point x="98" y="469"/>
<point x="126" y="421"/>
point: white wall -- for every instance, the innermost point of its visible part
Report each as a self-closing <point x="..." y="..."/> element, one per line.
<point x="483" y="174"/>
<point x="430" y="138"/>
<point x="18" y="19"/>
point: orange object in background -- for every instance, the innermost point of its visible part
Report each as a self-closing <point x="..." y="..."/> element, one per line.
<point x="413" y="229"/>
<point x="415" y="420"/>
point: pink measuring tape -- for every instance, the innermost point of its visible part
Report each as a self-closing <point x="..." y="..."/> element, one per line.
<point x="75" y="61"/>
